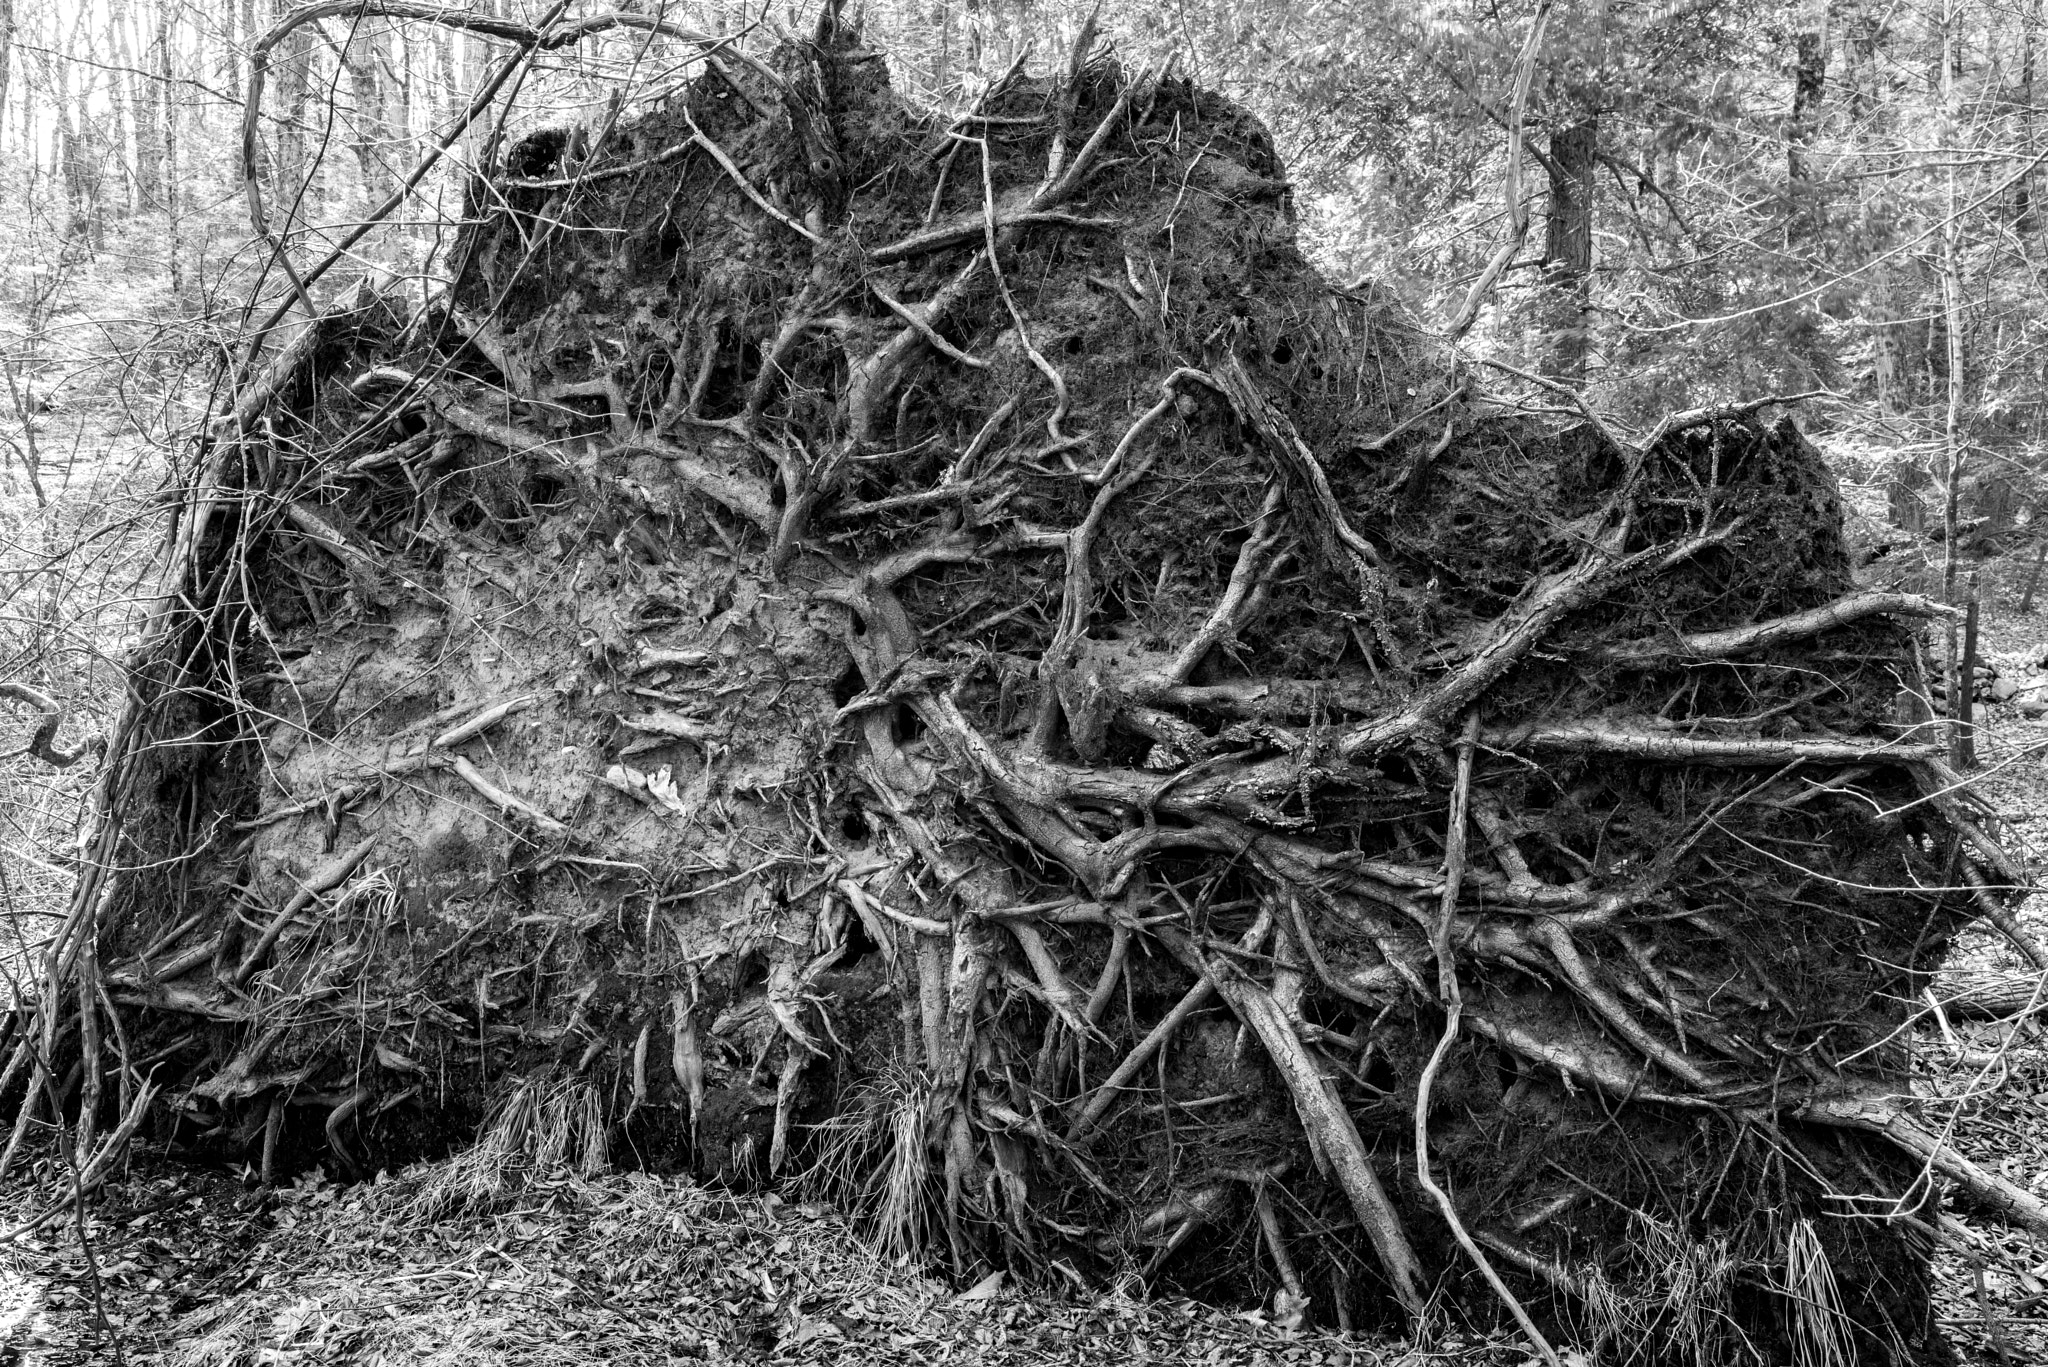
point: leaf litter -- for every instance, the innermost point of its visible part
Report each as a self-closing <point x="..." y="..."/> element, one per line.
<point x="567" y="1269"/>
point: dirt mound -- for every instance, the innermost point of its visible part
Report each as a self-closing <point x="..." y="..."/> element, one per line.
<point x="935" y="652"/>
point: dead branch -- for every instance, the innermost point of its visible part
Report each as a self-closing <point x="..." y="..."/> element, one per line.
<point x="1643" y="742"/>
<point x="325" y="880"/>
<point x="1987" y="1189"/>
<point x="1734" y="412"/>
<point x="1717" y="645"/>
<point x="1518" y="212"/>
<point x="42" y="742"/>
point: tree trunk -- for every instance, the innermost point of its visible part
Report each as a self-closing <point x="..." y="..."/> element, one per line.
<point x="1953" y="446"/>
<point x="1809" y="84"/>
<point x="231" y="54"/>
<point x="1863" y="28"/>
<point x="1566" y="304"/>
<point x="368" y="59"/>
<point x="83" y="171"/>
<point x="291" y="192"/>
<point x="124" y="98"/>
<point x="6" y="57"/>
<point x="146" y="106"/>
<point x="167" y="109"/>
<point x="2024" y="221"/>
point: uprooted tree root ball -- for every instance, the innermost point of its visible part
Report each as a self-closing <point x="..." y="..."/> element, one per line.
<point x="933" y="655"/>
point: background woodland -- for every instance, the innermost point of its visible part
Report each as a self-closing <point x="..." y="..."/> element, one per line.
<point x="1726" y="199"/>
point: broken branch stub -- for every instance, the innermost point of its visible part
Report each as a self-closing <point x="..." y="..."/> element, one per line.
<point x="908" y="637"/>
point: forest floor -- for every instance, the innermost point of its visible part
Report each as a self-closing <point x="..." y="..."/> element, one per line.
<point x="1992" y="1280"/>
<point x="627" y="1269"/>
<point x="191" y="1267"/>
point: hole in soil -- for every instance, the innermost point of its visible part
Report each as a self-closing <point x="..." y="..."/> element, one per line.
<point x="657" y="1140"/>
<point x="750" y="971"/>
<point x="726" y="392"/>
<point x="846" y="687"/>
<point x="469" y="361"/>
<point x="657" y="611"/>
<point x="593" y="413"/>
<point x="1113" y="608"/>
<point x="858" y="945"/>
<point x="958" y="333"/>
<point x="1126" y="750"/>
<point x="854" y="825"/>
<point x="654" y="384"/>
<point x="1215" y="1265"/>
<point x="171" y="790"/>
<point x="1282" y="352"/>
<point x="905" y="726"/>
<point x="545" y="490"/>
<point x="667" y="245"/>
<point x="537" y="153"/>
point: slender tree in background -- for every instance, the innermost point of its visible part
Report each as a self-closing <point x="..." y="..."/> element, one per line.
<point x="6" y="57"/>
<point x="1571" y="162"/>
<point x="1810" y="40"/>
<point x="1952" y="319"/>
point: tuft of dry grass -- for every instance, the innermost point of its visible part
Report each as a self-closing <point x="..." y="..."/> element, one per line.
<point x="1674" y="1308"/>
<point x="874" y="1159"/>
<point x="538" y="1130"/>
<point x="1820" y="1327"/>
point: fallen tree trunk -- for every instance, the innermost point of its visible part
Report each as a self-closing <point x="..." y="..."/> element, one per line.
<point x="1991" y="996"/>
<point x="925" y="649"/>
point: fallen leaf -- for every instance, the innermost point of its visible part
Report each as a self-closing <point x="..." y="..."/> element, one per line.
<point x="983" y="1289"/>
<point x="662" y="786"/>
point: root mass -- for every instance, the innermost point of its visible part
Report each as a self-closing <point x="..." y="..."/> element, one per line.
<point x="933" y="656"/>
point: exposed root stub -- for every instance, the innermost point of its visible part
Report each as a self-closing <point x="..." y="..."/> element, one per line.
<point x="891" y="606"/>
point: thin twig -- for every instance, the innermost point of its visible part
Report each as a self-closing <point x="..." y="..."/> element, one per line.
<point x="739" y="179"/>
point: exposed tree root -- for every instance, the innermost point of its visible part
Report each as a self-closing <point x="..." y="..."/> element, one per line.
<point x="1452" y="999"/>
